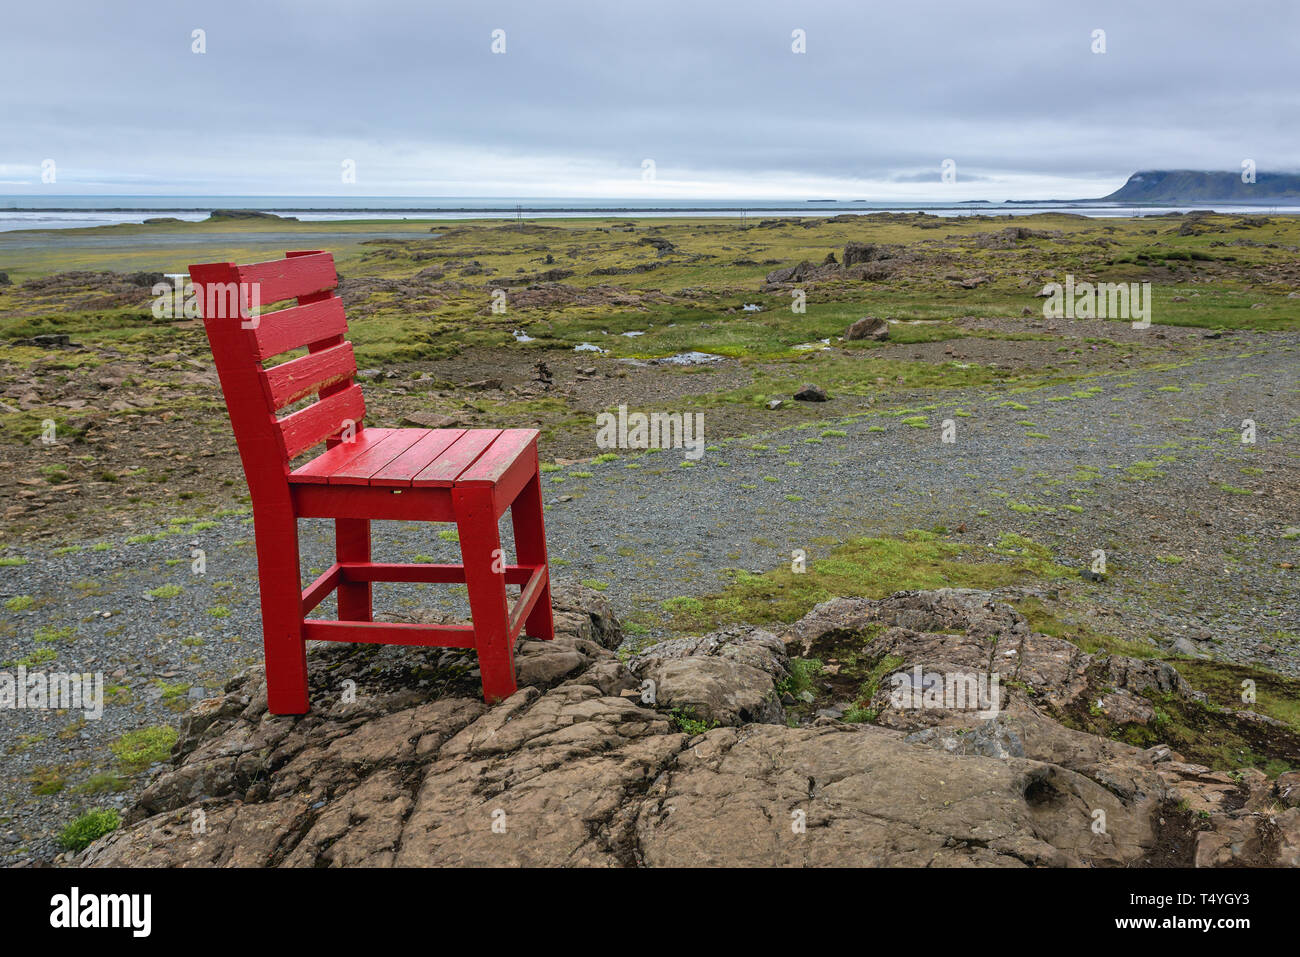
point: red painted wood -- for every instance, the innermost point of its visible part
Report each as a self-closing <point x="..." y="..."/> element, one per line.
<point x="262" y="451"/>
<point x="319" y="590"/>
<point x="480" y="546"/>
<point x="368" y="501"/>
<point x="488" y="468"/>
<point x="404" y="468"/>
<point x="319" y="469"/>
<point x="352" y="544"/>
<point x="528" y="597"/>
<point x="298" y="326"/>
<point x="321" y="420"/>
<point x="359" y="470"/>
<point x="530" y="545"/>
<point x="290" y="278"/>
<point x="446" y="468"/>
<point x="445" y="475"/>
<point x="298" y="378"/>
<point x="428" y="573"/>
<point x="389" y="633"/>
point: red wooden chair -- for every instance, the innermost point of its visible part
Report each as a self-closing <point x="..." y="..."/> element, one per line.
<point x="430" y="475"/>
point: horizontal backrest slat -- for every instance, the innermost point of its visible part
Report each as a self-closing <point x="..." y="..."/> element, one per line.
<point x="299" y="326"/>
<point x="321" y="420"/>
<point x="290" y="278"/>
<point x="298" y="378"/>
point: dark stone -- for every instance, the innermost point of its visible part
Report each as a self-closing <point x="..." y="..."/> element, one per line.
<point x="811" y="393"/>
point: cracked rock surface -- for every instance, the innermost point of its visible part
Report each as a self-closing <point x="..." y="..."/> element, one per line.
<point x="401" y="764"/>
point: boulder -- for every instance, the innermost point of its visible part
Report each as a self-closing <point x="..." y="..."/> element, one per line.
<point x="855" y="253"/>
<point x="811" y="393"/>
<point x="430" y="420"/>
<point x="792" y="274"/>
<point x="728" y="677"/>
<point x="868" y="327"/>
<point x="1287" y="788"/>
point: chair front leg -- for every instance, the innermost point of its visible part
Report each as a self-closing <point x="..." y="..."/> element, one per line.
<point x="352" y="544"/>
<point x="480" y="548"/>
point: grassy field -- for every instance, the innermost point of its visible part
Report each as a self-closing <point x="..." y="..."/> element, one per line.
<point x="961" y="294"/>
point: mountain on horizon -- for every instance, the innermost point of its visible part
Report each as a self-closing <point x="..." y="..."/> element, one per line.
<point x="1183" y="186"/>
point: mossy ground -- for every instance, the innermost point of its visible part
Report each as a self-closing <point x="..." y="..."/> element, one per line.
<point x="870" y="568"/>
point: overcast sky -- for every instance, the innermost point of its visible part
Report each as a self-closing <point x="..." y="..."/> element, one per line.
<point x="712" y="92"/>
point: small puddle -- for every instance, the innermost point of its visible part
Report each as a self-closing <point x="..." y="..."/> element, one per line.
<point x="810" y="346"/>
<point x="521" y="336"/>
<point x="689" y="359"/>
<point x="588" y="347"/>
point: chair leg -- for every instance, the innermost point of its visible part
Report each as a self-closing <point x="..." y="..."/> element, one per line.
<point x="352" y="544"/>
<point x="480" y="548"/>
<point x="280" y="583"/>
<point x="530" y="547"/>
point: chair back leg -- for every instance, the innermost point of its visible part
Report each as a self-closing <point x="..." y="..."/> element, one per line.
<point x="352" y="544"/>
<point x="279" y="581"/>
<point x="484" y="561"/>
<point x="530" y="547"/>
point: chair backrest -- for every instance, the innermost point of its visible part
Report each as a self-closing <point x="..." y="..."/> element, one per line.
<point x="242" y="340"/>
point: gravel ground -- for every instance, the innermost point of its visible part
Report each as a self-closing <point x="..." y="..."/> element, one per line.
<point x="1197" y="547"/>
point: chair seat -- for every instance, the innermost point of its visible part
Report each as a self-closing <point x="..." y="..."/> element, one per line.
<point x="418" y="458"/>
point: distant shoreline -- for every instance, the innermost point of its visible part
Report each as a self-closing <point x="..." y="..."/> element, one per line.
<point x="295" y="211"/>
<point x="967" y="206"/>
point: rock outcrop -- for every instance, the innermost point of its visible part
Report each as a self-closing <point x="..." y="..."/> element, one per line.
<point x="871" y="328"/>
<point x="604" y="762"/>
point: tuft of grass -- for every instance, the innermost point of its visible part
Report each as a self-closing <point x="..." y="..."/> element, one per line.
<point x="46" y="781"/>
<point x="91" y="826"/>
<point x="138" y="749"/>
<point x="686" y="722"/>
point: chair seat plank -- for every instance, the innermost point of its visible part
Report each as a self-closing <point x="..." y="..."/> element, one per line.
<point x="401" y="470"/>
<point x="446" y="468"/>
<point x="320" y="421"/>
<point x="497" y="459"/>
<point x="319" y="469"/>
<point x="359" y="469"/>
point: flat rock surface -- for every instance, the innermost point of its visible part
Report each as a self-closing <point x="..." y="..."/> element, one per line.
<point x="401" y="764"/>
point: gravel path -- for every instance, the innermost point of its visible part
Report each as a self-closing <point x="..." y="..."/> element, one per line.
<point x="1197" y="546"/>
